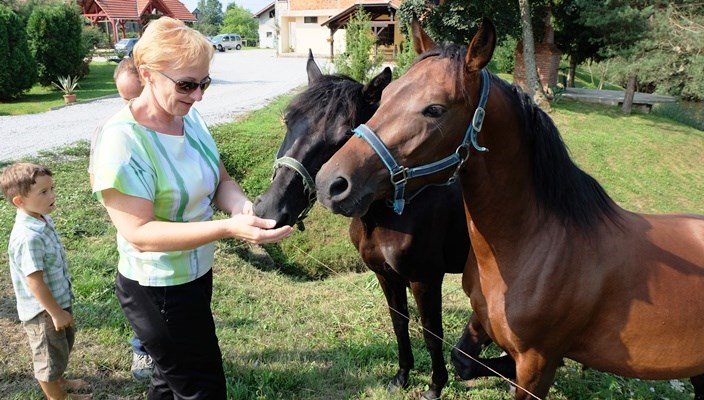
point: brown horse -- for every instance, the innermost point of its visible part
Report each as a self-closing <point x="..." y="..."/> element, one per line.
<point x="414" y="250"/>
<point x="561" y="269"/>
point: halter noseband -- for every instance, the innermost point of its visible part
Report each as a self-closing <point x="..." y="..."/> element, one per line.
<point x="308" y="184"/>
<point x="400" y="174"/>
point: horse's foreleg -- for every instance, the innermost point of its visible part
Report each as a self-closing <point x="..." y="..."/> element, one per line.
<point x="395" y="293"/>
<point x="698" y="384"/>
<point x="465" y="355"/>
<point x="428" y="297"/>
<point x="534" y="375"/>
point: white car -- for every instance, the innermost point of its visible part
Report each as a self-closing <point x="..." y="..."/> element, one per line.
<point x="227" y="41"/>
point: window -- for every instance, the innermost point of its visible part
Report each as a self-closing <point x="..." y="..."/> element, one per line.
<point x="268" y="34"/>
<point x="385" y="36"/>
<point x="310" y="20"/>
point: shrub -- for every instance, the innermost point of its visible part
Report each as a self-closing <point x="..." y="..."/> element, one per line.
<point x="55" y="39"/>
<point x="18" y="71"/>
<point x="357" y="61"/>
<point x="406" y="55"/>
<point x="505" y="55"/>
<point x="94" y="37"/>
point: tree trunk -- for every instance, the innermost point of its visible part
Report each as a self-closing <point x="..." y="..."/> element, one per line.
<point x="630" y="93"/>
<point x="571" y="72"/>
<point x="534" y="87"/>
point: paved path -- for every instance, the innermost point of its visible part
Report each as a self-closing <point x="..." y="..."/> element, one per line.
<point x="242" y="81"/>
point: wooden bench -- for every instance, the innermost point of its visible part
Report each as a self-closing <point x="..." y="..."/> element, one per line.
<point x="641" y="101"/>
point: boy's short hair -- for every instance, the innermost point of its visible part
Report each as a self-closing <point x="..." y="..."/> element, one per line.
<point x="126" y="65"/>
<point x="18" y="178"/>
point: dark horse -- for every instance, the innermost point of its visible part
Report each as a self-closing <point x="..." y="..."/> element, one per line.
<point x="414" y="250"/>
<point x="561" y="269"/>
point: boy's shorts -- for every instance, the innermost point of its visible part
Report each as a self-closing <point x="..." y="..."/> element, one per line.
<point x="50" y="349"/>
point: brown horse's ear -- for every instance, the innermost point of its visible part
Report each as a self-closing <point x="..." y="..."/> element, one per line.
<point x="421" y="41"/>
<point x="312" y="68"/>
<point x="372" y="90"/>
<point x="482" y="46"/>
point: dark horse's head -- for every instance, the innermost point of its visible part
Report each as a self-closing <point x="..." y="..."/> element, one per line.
<point x="318" y="122"/>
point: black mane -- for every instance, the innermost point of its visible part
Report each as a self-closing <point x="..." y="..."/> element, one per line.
<point x="320" y="94"/>
<point x="560" y="185"/>
<point x="329" y="96"/>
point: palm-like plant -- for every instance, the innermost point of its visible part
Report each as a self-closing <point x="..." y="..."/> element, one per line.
<point x="67" y="84"/>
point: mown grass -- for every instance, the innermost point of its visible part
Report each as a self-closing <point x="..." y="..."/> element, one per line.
<point x="309" y="326"/>
<point x="97" y="83"/>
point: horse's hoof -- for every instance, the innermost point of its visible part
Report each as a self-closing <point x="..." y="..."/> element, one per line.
<point x="400" y="381"/>
<point x="392" y="387"/>
<point x="430" y="395"/>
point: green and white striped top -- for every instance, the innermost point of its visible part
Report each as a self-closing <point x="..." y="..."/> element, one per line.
<point x="179" y="174"/>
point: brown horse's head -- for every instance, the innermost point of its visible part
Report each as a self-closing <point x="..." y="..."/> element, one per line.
<point x="439" y="96"/>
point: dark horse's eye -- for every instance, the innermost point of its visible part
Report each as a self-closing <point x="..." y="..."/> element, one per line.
<point x="434" y="111"/>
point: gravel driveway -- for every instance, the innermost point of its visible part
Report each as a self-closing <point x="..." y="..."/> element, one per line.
<point x="242" y="81"/>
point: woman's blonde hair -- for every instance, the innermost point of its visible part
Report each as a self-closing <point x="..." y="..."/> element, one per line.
<point x="168" y="43"/>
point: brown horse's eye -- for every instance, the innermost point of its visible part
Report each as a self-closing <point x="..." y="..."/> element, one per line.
<point x="434" y="111"/>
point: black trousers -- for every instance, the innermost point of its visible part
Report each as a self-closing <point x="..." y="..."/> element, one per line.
<point x="175" y="325"/>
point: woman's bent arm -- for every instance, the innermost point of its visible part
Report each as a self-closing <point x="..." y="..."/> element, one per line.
<point x="134" y="219"/>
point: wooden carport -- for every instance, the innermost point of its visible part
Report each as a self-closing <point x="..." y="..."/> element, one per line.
<point x="382" y="15"/>
<point x="119" y="12"/>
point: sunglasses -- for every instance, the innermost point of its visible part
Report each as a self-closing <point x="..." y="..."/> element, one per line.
<point x="188" y="87"/>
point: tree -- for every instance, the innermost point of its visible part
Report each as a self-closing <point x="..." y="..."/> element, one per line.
<point x="210" y="17"/>
<point x="18" y="71"/>
<point x="456" y="21"/>
<point x="240" y="20"/>
<point x="55" y="40"/>
<point x="534" y="87"/>
<point x="573" y="37"/>
<point x="668" y="57"/>
<point x="357" y="61"/>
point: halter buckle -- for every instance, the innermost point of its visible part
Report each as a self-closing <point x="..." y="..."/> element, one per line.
<point x="399" y="177"/>
<point x="478" y="119"/>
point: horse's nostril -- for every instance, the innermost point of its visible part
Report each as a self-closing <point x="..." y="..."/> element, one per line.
<point x="338" y="187"/>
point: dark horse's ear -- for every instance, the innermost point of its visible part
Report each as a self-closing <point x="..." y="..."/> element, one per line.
<point x="421" y="41"/>
<point x="482" y="46"/>
<point x="372" y="90"/>
<point x="312" y="68"/>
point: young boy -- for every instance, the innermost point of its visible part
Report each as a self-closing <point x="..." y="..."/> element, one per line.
<point x="40" y="278"/>
<point x="129" y="87"/>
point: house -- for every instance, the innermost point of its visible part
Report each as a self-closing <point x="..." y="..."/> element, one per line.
<point x="131" y="15"/>
<point x="267" y="26"/>
<point x="319" y="25"/>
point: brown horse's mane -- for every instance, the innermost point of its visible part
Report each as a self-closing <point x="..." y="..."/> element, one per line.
<point x="560" y="185"/>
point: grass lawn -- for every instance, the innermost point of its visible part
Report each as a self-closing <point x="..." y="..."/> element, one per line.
<point x="98" y="83"/>
<point x="310" y="325"/>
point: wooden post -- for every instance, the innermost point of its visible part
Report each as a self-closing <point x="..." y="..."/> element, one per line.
<point x="630" y="93"/>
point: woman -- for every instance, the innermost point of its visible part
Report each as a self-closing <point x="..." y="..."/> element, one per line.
<point x="157" y="172"/>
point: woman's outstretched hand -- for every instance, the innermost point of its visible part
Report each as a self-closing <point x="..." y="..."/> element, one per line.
<point x="256" y="230"/>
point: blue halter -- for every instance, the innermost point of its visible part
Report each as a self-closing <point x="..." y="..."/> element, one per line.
<point x="400" y="174"/>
